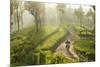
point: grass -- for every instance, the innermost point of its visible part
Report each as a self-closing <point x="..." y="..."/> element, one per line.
<point x="47" y="44"/>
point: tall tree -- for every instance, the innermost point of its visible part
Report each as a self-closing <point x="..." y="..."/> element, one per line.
<point x="21" y="10"/>
<point x="79" y="13"/>
<point x="90" y="15"/>
<point x="14" y="12"/>
<point x="61" y="11"/>
<point x="93" y="6"/>
<point x="36" y="9"/>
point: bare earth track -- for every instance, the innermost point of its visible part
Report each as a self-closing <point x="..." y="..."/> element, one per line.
<point x="68" y="53"/>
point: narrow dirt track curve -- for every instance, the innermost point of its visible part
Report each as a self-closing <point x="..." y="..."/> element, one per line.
<point x="68" y="53"/>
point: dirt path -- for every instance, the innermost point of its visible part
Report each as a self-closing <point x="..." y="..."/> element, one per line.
<point x="68" y="53"/>
<point x="71" y="54"/>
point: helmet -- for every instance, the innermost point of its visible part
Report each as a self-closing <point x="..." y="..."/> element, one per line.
<point x="67" y="42"/>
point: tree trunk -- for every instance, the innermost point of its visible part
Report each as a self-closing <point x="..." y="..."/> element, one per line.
<point x="80" y="24"/>
<point x="18" y="21"/>
<point x="11" y="13"/>
<point x="36" y="22"/>
<point x="40" y="22"/>
<point x="21" y="20"/>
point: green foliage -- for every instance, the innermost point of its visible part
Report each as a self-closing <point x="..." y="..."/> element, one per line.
<point x="61" y="7"/>
<point x="25" y="42"/>
<point x="79" y="12"/>
<point x="59" y="58"/>
<point x="25" y="48"/>
<point x="90" y="12"/>
<point x="37" y="44"/>
<point x="85" y="49"/>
